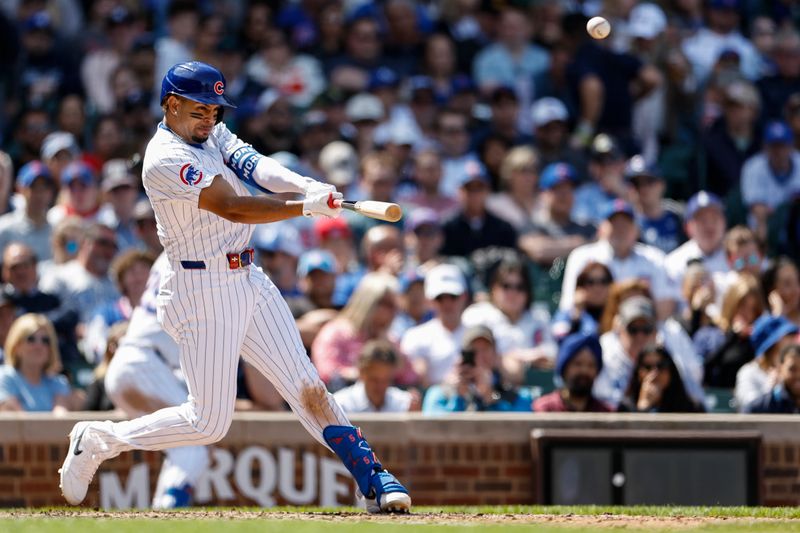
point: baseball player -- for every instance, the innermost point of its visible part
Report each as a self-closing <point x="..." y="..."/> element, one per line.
<point x="144" y="376"/>
<point x="215" y="303"/>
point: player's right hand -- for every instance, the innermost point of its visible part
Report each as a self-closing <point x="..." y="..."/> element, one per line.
<point x="327" y="204"/>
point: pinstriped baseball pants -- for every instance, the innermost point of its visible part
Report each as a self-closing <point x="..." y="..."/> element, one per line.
<point x="215" y="316"/>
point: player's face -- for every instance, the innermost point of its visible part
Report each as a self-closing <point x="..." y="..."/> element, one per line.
<point x="195" y="120"/>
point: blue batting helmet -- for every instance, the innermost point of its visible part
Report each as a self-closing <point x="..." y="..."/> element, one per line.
<point x="196" y="81"/>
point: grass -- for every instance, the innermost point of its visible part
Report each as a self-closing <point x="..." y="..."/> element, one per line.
<point x="474" y="520"/>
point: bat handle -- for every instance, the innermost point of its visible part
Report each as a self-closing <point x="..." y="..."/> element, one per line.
<point x="348" y="205"/>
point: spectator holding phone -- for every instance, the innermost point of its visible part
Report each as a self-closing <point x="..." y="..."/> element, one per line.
<point x="477" y="383"/>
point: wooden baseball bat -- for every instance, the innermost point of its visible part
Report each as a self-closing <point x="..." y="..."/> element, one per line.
<point x="380" y="210"/>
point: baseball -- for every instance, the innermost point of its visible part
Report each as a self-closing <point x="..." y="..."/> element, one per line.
<point x="598" y="27"/>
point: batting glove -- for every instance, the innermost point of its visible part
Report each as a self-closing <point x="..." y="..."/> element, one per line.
<point x="318" y="186"/>
<point x="322" y="204"/>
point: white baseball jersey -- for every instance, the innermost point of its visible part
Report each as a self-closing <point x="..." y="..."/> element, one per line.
<point x="173" y="175"/>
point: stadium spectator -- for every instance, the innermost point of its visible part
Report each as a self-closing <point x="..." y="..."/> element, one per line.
<point x="29" y="223"/>
<point x="592" y="291"/>
<point x="59" y="149"/>
<point x="656" y="385"/>
<point x="579" y="361"/>
<point x="379" y="178"/>
<point x="518" y="202"/>
<point x="413" y="308"/>
<point x="316" y="273"/>
<point x="176" y="45"/>
<point x="32" y="127"/>
<point x="522" y="334"/>
<point x="732" y="138"/>
<point x="29" y="380"/>
<point x="473" y="227"/>
<point x="777" y="86"/>
<point x="618" y="249"/>
<point x="771" y="334"/>
<point x="338" y="162"/>
<point x="554" y="233"/>
<point x="705" y="226"/>
<point x="423" y="238"/>
<point x="742" y="304"/>
<point x="452" y="136"/>
<point x="334" y="235"/>
<point x="83" y="284"/>
<point x="659" y="220"/>
<point x="130" y="271"/>
<point x="378" y="363"/>
<point x="635" y="327"/>
<point x="279" y="247"/>
<point x="146" y="228"/>
<point x="367" y="316"/>
<point x="476" y="383"/>
<point x="606" y="183"/>
<point x="699" y="314"/>
<point x="363" y="53"/>
<point x="80" y="191"/>
<point x="743" y="256"/>
<point x="550" y="118"/>
<point x="780" y="285"/>
<point x="433" y="346"/>
<point x="427" y="175"/>
<point x="439" y="64"/>
<point x="770" y="177"/>
<point x="96" y="397"/>
<point x="785" y="396"/>
<point x="120" y="192"/>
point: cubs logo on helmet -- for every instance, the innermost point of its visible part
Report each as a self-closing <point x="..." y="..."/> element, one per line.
<point x="219" y="87"/>
<point x="190" y="175"/>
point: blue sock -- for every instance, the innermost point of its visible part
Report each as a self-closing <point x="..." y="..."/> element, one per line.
<point x="348" y="443"/>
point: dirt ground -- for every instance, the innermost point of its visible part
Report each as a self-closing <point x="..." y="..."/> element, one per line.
<point x="603" y="520"/>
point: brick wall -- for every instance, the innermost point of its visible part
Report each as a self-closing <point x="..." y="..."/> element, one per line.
<point x="462" y="459"/>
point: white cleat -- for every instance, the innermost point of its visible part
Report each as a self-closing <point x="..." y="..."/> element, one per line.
<point x="80" y="464"/>
<point x="395" y="502"/>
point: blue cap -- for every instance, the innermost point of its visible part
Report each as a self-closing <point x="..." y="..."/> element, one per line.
<point x="572" y="345"/>
<point x="768" y="330"/>
<point x="278" y="237"/>
<point x="702" y="200"/>
<point x="39" y="21"/>
<point x="778" y="131"/>
<point x="420" y="83"/>
<point x="316" y="260"/>
<point x="383" y="77"/>
<point x="638" y="166"/>
<point x="30" y="171"/>
<point x="616" y="207"/>
<point x="410" y="277"/>
<point x="556" y="174"/>
<point x="473" y="171"/>
<point x="77" y="170"/>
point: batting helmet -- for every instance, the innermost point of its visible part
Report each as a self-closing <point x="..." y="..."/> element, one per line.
<point x="196" y="81"/>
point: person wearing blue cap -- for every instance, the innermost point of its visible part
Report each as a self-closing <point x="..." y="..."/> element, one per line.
<point x="627" y="259"/>
<point x="606" y="169"/>
<point x="555" y="233"/>
<point x="579" y="361"/>
<point x="316" y="272"/>
<point x="659" y="220"/>
<point x="770" y="335"/>
<point x="771" y="177"/>
<point x="81" y="193"/>
<point x="29" y="224"/>
<point x="473" y="227"/>
<point x="705" y="224"/>
<point x="785" y="396"/>
<point x="279" y="246"/>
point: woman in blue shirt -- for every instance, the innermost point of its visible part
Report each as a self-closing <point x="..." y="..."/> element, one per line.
<point x="29" y="379"/>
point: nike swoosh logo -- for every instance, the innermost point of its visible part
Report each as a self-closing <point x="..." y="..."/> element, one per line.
<point x="75" y="449"/>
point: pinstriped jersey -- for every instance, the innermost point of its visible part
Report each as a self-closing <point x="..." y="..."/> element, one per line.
<point x="174" y="173"/>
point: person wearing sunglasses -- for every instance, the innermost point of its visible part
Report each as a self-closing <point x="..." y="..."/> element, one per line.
<point x="592" y="292"/>
<point x="522" y="333"/>
<point x="29" y="380"/>
<point x="656" y="385"/>
<point x="634" y="327"/>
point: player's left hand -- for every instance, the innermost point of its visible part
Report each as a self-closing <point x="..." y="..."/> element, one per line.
<point x="328" y="204"/>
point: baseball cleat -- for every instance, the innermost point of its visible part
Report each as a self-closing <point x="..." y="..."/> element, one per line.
<point x="387" y="495"/>
<point x="80" y="464"/>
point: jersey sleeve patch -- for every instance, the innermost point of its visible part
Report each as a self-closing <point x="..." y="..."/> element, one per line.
<point x="190" y="175"/>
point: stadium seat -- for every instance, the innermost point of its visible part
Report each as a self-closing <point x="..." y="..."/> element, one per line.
<point x="719" y="400"/>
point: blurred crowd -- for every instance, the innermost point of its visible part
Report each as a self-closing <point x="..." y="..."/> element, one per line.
<point x="589" y="225"/>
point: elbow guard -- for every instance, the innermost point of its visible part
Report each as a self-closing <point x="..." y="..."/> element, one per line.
<point x="243" y="163"/>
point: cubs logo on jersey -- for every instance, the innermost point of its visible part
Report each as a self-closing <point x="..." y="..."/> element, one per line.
<point x="190" y="175"/>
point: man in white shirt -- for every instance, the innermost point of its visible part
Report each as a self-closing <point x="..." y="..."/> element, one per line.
<point x="626" y="258"/>
<point x="373" y="393"/>
<point x="434" y="346"/>
<point x="705" y="225"/>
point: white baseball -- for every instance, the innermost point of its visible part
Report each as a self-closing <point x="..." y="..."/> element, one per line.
<point x="598" y="27"/>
